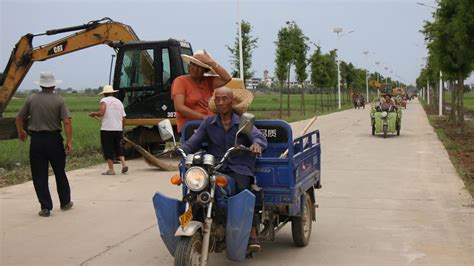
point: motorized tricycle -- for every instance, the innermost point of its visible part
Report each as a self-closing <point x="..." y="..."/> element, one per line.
<point x="359" y="102"/>
<point x="210" y="217"/>
<point x="386" y="120"/>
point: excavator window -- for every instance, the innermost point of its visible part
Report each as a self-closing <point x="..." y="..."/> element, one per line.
<point x="137" y="75"/>
<point x="165" y="58"/>
<point x="138" y="69"/>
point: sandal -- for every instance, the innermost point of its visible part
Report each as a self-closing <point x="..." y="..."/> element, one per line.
<point x="108" y="172"/>
<point x="124" y="169"/>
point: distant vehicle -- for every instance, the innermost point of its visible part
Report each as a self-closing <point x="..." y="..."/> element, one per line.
<point x="386" y="120"/>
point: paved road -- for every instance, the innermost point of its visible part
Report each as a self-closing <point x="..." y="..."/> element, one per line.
<point x="392" y="201"/>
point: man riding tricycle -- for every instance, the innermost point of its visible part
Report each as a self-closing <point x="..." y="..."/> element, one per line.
<point x="358" y="101"/>
<point x="241" y="183"/>
<point x="386" y="117"/>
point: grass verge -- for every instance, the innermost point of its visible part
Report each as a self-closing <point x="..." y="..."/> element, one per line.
<point x="458" y="143"/>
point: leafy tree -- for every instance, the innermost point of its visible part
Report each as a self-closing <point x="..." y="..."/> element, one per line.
<point x="299" y="51"/>
<point x="451" y="42"/>
<point x="319" y="75"/>
<point x="282" y="61"/>
<point x="249" y="43"/>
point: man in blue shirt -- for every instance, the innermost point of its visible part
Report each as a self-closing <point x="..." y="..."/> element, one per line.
<point x="219" y="132"/>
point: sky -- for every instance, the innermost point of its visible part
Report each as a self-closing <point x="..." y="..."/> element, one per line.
<point x="389" y="30"/>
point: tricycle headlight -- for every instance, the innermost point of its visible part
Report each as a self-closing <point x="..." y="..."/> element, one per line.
<point x="384" y="114"/>
<point x="196" y="178"/>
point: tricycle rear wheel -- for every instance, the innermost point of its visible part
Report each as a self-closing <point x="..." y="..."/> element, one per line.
<point x="301" y="225"/>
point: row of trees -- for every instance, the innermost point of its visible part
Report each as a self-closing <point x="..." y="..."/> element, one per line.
<point x="293" y="54"/>
<point x="450" y="43"/>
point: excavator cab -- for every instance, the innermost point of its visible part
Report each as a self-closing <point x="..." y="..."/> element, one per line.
<point x="144" y="72"/>
<point x="143" y="75"/>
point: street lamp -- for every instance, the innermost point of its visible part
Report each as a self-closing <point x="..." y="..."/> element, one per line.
<point x="110" y="71"/>
<point x="423" y="4"/>
<point x="338" y="31"/>
<point x="366" y="53"/>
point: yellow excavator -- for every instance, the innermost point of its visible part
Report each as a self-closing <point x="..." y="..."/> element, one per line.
<point x="144" y="71"/>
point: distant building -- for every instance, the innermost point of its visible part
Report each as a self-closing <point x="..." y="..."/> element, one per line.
<point x="252" y="83"/>
<point x="267" y="80"/>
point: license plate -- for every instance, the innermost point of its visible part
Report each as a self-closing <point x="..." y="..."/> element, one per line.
<point x="186" y="217"/>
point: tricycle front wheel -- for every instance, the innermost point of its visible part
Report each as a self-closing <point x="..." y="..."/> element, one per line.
<point x="188" y="250"/>
<point x="301" y="225"/>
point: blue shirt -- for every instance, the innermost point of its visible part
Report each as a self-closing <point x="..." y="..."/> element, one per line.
<point x="219" y="141"/>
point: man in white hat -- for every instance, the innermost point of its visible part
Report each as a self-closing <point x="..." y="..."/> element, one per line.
<point x="45" y="111"/>
<point x="111" y="131"/>
<point x="191" y="93"/>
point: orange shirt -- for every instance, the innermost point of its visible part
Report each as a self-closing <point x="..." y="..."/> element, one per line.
<point x="193" y="93"/>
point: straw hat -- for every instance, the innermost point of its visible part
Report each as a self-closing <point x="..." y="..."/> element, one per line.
<point x="47" y="80"/>
<point x="188" y="59"/>
<point x="107" y="89"/>
<point x="242" y="98"/>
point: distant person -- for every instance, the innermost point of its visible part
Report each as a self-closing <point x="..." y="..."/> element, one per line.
<point x="45" y="110"/>
<point x="191" y="93"/>
<point x="111" y="132"/>
<point x="388" y="104"/>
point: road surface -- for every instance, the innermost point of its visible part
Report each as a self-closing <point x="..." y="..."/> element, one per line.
<point x="392" y="201"/>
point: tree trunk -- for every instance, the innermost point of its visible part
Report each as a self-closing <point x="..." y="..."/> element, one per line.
<point x="281" y="100"/>
<point x="452" y="114"/>
<point x="444" y="99"/>
<point x="321" y="98"/>
<point x="461" y="101"/>
<point x="302" y="109"/>
<point x="288" y="100"/>
<point x="315" y="99"/>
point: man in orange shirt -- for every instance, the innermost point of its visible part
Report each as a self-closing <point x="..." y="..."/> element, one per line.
<point x="191" y="93"/>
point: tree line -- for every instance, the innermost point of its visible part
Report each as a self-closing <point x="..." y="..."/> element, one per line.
<point x="315" y="72"/>
<point x="450" y="44"/>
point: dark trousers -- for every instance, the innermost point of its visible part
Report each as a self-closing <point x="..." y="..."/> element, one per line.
<point x="111" y="144"/>
<point x="47" y="148"/>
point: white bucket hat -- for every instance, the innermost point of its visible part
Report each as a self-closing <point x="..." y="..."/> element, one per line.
<point x="107" y="89"/>
<point x="47" y="80"/>
<point x="188" y="59"/>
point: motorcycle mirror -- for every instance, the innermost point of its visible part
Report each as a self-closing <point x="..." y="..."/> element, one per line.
<point x="247" y="121"/>
<point x="166" y="130"/>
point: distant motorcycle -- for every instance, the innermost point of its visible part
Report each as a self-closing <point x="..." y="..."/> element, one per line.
<point x="359" y="102"/>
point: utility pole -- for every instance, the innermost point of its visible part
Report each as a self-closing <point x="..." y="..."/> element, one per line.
<point x="428" y="91"/>
<point x="366" y="77"/>
<point x="240" y="44"/>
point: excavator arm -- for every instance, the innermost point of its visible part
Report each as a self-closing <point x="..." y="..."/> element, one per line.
<point x="104" y="31"/>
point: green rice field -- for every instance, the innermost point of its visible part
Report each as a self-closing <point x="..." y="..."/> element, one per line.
<point x="86" y="144"/>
